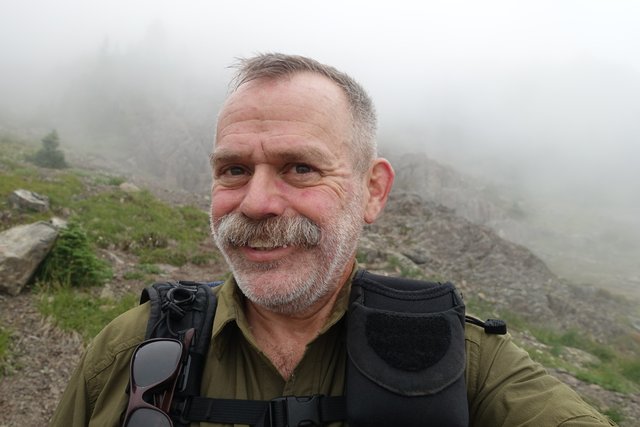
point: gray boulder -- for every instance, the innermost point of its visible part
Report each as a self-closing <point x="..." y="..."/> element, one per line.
<point x="28" y="200"/>
<point x="22" y="249"/>
<point x="128" y="187"/>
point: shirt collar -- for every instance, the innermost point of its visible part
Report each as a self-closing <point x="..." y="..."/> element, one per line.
<point x="231" y="302"/>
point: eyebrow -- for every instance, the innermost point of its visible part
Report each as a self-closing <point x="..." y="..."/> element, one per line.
<point x="224" y="156"/>
<point x="298" y="154"/>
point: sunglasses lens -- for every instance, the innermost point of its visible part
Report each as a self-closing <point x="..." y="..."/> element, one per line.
<point x="155" y="362"/>
<point x="148" y="417"/>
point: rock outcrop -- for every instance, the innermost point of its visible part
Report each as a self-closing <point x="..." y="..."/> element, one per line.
<point x="22" y="249"/>
<point x="423" y="239"/>
<point x="28" y="200"/>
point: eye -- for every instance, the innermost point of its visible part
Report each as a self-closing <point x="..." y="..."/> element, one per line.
<point x="301" y="174"/>
<point x="235" y="171"/>
<point x="302" y="169"/>
<point x="232" y="175"/>
<point x="231" y="171"/>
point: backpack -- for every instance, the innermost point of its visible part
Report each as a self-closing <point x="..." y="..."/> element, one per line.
<point x="405" y="347"/>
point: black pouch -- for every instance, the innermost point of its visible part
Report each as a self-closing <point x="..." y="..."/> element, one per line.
<point x="406" y="353"/>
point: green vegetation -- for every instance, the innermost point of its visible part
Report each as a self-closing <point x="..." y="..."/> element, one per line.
<point x="407" y="270"/>
<point x="615" y="414"/>
<point x="137" y="223"/>
<point x="61" y="188"/>
<point x="72" y="261"/>
<point x="49" y="156"/>
<point x="14" y="150"/>
<point x="615" y="369"/>
<point x="574" y="339"/>
<point x="109" y="180"/>
<point x="134" y="222"/>
<point x="361" y="257"/>
<point x="143" y="225"/>
<point x="85" y="313"/>
<point x="5" y="339"/>
<point x="142" y="272"/>
<point x="101" y="216"/>
<point x="631" y="369"/>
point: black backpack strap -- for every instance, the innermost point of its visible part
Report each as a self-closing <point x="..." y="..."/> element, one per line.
<point x="290" y="411"/>
<point x="179" y="306"/>
<point x="175" y="308"/>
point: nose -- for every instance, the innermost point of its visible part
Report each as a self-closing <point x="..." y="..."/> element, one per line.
<point x="263" y="197"/>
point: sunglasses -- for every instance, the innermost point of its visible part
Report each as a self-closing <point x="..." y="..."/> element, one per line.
<point x="155" y="369"/>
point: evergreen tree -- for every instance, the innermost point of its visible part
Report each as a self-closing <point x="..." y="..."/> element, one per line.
<point x="49" y="156"/>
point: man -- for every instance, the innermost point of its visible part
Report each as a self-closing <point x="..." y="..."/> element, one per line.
<point x="295" y="177"/>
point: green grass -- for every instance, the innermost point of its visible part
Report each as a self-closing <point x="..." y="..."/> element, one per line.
<point x="15" y="150"/>
<point x="615" y="414"/>
<point x="143" y="225"/>
<point x="617" y="369"/>
<point x="135" y="222"/>
<point x="607" y="376"/>
<point x="82" y="312"/>
<point x="613" y="370"/>
<point x="61" y="188"/>
<point x="408" y="271"/>
<point x="109" y="180"/>
<point x="631" y="369"/>
<point x="575" y="339"/>
<point x="142" y="272"/>
<point x="101" y="216"/>
<point x="5" y="340"/>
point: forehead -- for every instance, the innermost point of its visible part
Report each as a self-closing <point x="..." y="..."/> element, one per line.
<point x="305" y="103"/>
<point x="301" y="86"/>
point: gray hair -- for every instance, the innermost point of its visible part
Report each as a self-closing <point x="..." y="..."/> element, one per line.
<point x="363" y="114"/>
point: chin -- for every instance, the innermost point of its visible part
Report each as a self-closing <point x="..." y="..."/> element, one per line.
<point x="281" y="291"/>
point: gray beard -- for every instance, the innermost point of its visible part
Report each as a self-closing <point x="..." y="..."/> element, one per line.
<point x="335" y="246"/>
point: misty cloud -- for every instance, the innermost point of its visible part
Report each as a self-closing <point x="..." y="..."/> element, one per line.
<point x="543" y="96"/>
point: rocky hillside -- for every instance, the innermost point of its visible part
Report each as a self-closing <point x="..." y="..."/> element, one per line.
<point x="422" y="238"/>
<point x="584" y="245"/>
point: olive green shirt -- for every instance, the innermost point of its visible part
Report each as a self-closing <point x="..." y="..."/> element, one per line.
<point x="504" y="386"/>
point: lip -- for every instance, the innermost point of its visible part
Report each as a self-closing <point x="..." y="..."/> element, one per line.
<point x="266" y="255"/>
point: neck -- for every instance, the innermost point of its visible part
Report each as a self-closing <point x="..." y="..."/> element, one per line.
<point x="283" y="338"/>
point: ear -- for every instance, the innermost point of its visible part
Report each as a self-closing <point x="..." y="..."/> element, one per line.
<point x="380" y="180"/>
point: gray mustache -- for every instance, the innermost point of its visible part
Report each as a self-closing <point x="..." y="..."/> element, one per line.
<point x="238" y="230"/>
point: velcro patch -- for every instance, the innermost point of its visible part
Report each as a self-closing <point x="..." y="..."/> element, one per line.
<point x="408" y="343"/>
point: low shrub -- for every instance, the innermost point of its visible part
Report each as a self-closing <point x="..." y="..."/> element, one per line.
<point x="72" y="261"/>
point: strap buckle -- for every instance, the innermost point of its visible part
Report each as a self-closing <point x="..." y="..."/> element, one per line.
<point x="293" y="411"/>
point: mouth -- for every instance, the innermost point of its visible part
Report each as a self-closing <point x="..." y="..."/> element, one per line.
<point x="259" y="245"/>
<point x="266" y="248"/>
<point x="262" y="252"/>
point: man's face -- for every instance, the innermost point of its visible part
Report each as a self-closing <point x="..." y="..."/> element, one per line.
<point x="286" y="205"/>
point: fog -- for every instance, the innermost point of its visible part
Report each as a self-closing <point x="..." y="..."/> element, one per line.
<point x="541" y="96"/>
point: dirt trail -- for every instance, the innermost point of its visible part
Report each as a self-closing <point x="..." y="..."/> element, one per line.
<point x="43" y="360"/>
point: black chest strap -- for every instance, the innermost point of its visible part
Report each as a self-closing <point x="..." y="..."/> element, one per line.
<point x="280" y="412"/>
